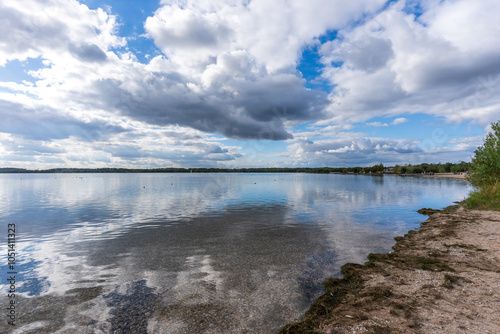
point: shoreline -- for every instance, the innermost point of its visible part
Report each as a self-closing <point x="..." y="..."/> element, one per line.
<point x="459" y="176"/>
<point x="442" y="278"/>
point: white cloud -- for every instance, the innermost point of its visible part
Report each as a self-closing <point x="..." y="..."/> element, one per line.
<point x="54" y="28"/>
<point x="438" y="63"/>
<point x="229" y="68"/>
<point x="397" y="121"/>
<point x="352" y="149"/>
<point x="377" y="124"/>
<point x="272" y="32"/>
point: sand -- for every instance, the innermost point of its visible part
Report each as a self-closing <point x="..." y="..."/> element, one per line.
<point x="443" y="278"/>
<point x="458" y="176"/>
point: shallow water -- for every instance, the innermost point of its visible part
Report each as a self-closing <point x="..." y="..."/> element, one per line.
<point x="195" y="253"/>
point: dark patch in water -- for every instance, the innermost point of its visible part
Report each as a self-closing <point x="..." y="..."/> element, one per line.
<point x="315" y="272"/>
<point x="131" y="311"/>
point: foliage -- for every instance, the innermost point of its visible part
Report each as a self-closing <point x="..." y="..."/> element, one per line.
<point x="379" y="168"/>
<point x="418" y="170"/>
<point x="486" y="198"/>
<point x="485" y="166"/>
<point x="485" y="173"/>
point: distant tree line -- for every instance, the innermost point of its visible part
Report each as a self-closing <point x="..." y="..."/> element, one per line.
<point x="432" y="168"/>
<point x="376" y="169"/>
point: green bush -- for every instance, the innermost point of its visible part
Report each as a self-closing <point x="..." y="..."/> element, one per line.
<point x="487" y="198"/>
<point x="485" y="165"/>
<point x="485" y="173"/>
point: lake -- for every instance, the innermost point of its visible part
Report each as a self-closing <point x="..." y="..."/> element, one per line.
<point x="195" y="253"/>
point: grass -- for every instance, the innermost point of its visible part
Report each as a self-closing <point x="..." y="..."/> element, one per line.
<point x="486" y="198"/>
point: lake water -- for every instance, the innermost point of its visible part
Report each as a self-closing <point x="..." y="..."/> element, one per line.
<point x="194" y="253"/>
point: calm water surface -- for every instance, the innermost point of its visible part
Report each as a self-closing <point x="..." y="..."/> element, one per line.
<point x="195" y="253"/>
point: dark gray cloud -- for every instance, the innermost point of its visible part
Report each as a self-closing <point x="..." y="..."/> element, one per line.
<point x="254" y="109"/>
<point x="461" y="72"/>
<point x="370" y="55"/>
<point x="218" y="149"/>
<point x="88" y="53"/>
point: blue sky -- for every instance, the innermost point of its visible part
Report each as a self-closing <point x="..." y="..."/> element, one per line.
<point x="237" y="83"/>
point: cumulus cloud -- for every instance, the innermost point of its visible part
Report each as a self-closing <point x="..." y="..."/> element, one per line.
<point x="228" y="69"/>
<point x="399" y="120"/>
<point x="88" y="52"/>
<point x="273" y="32"/>
<point x="397" y="62"/>
<point x="45" y="29"/>
<point x="236" y="61"/>
<point x="234" y="107"/>
<point x="353" y="150"/>
<point x="229" y="90"/>
<point x="358" y="150"/>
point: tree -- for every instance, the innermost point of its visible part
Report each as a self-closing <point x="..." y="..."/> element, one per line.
<point x="377" y="168"/>
<point x="433" y="169"/>
<point x="485" y="165"/>
<point x="358" y="170"/>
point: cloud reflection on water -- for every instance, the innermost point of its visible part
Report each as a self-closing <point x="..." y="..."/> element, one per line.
<point x="198" y="252"/>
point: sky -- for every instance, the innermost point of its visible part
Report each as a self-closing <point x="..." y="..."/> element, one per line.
<point x="246" y="83"/>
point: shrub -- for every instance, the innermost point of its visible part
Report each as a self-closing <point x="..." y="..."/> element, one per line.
<point x="485" y="173"/>
<point x="487" y="198"/>
<point x="485" y="165"/>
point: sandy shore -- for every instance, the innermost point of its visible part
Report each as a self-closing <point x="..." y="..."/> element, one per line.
<point x="443" y="278"/>
<point x="460" y="176"/>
